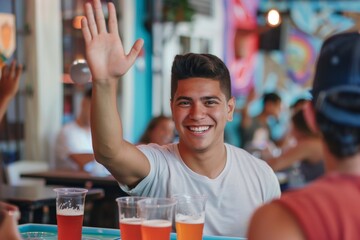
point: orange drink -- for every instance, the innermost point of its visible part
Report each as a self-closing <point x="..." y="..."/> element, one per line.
<point x="130" y="228"/>
<point x="70" y="212"/>
<point x="157" y="216"/>
<point x="69" y="225"/>
<point x="190" y="216"/>
<point x="129" y="221"/>
<point x="189" y="230"/>
<point x="156" y="229"/>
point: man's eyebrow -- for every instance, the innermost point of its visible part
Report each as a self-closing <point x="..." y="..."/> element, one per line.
<point x="183" y="98"/>
<point x="210" y="98"/>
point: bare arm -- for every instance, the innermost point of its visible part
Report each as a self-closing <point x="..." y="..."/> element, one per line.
<point x="9" y="85"/>
<point x="273" y="222"/>
<point x="108" y="62"/>
<point x="306" y="149"/>
<point x="9" y="215"/>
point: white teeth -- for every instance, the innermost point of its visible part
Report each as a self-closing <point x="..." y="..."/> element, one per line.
<point x="199" y="129"/>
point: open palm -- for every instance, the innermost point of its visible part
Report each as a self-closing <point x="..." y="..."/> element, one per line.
<point x="104" y="50"/>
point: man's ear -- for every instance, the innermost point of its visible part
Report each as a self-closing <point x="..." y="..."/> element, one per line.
<point x="231" y="108"/>
<point x="309" y="115"/>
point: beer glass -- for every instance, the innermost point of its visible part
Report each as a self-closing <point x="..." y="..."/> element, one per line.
<point x="156" y="215"/>
<point x="70" y="212"/>
<point x="129" y="220"/>
<point x="190" y="216"/>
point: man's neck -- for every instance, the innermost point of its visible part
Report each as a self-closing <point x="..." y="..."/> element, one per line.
<point x="350" y="165"/>
<point x="207" y="163"/>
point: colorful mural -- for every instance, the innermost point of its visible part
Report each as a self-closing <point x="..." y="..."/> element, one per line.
<point x="300" y="55"/>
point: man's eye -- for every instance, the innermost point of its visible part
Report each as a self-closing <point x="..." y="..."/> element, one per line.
<point x="183" y="103"/>
<point x="210" y="103"/>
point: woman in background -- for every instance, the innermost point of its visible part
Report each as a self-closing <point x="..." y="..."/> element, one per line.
<point x="160" y="130"/>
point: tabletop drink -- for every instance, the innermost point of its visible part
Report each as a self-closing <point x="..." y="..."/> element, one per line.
<point x="129" y="220"/>
<point x="70" y="212"/>
<point x="156" y="215"/>
<point x="190" y="216"/>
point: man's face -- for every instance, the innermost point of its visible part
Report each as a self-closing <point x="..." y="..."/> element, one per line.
<point x="200" y="112"/>
<point x="274" y="108"/>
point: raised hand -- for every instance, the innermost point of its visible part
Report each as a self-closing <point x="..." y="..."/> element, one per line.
<point x="104" y="50"/>
<point x="9" y="82"/>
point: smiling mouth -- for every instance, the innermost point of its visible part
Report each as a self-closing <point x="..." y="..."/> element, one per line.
<point x="200" y="129"/>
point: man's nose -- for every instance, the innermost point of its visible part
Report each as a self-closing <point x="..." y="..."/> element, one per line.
<point x="197" y="111"/>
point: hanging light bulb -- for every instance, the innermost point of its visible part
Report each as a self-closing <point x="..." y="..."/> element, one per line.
<point x="273" y="18"/>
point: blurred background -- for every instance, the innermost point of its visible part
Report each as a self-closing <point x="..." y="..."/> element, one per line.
<point x="265" y="51"/>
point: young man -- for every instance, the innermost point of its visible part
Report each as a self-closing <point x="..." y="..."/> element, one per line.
<point x="201" y="163"/>
<point x="328" y="208"/>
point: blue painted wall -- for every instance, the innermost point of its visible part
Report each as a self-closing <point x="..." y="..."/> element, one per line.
<point x="142" y="75"/>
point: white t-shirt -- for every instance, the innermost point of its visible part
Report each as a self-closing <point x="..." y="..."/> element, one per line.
<point x="71" y="139"/>
<point x="245" y="183"/>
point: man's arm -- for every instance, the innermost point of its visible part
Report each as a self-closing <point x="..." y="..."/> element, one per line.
<point x="9" y="85"/>
<point x="273" y="222"/>
<point x="108" y="62"/>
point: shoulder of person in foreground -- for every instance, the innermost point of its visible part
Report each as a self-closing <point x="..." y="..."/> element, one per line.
<point x="274" y="222"/>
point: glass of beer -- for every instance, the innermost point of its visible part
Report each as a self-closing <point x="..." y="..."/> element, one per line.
<point x="70" y="212"/>
<point x="129" y="220"/>
<point x="157" y="216"/>
<point x="190" y="216"/>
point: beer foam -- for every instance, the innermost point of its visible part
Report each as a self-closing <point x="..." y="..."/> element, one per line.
<point x="69" y="212"/>
<point x="190" y="219"/>
<point x="132" y="221"/>
<point x="157" y="223"/>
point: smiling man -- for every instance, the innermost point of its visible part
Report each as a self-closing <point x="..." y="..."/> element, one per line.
<point x="235" y="182"/>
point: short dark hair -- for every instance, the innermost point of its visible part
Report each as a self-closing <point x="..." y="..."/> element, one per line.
<point x="192" y="65"/>
<point x="271" y="97"/>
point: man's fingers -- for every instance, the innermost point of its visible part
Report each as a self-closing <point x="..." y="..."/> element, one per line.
<point x="135" y="50"/>
<point x="85" y="30"/>
<point x="18" y="71"/>
<point x="90" y="19"/>
<point x="12" y="69"/>
<point x="99" y="16"/>
<point x="113" y="25"/>
<point x="4" y="71"/>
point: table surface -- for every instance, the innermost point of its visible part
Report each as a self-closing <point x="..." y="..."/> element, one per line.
<point x="103" y="213"/>
<point x="92" y="233"/>
<point x="68" y="176"/>
<point x="33" y="195"/>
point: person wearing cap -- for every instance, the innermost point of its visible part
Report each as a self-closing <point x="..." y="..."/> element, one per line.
<point x="329" y="207"/>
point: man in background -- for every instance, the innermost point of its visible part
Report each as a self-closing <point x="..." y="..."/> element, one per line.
<point x="73" y="149"/>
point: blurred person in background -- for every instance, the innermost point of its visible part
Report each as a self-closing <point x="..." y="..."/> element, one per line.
<point x="306" y="152"/>
<point x="160" y="130"/>
<point x="328" y="208"/>
<point x="73" y="149"/>
<point x="256" y="135"/>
